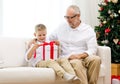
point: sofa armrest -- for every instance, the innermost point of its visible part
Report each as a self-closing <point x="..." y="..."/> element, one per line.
<point x="105" y="53"/>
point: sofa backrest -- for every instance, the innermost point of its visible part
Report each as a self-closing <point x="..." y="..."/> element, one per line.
<point x="12" y="51"/>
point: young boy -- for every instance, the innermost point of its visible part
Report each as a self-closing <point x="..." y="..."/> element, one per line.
<point x="62" y="67"/>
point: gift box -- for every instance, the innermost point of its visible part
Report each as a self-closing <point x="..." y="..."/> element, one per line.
<point x="115" y="69"/>
<point x="115" y="79"/>
<point x="48" y="50"/>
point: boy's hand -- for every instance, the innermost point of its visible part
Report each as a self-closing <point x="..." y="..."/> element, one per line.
<point x="33" y="41"/>
<point x="36" y="45"/>
<point x="57" y="43"/>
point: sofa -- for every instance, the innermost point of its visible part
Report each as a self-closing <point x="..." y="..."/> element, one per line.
<point x="15" y="70"/>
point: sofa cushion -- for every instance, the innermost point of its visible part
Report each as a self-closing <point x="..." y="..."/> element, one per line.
<point x="102" y="71"/>
<point x="12" y="51"/>
<point x="26" y="75"/>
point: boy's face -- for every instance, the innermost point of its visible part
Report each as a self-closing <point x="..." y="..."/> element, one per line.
<point x="41" y="35"/>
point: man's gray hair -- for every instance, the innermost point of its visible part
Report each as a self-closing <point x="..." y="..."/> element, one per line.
<point x="76" y="8"/>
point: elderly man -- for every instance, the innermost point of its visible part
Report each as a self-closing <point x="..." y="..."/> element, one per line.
<point x="79" y="45"/>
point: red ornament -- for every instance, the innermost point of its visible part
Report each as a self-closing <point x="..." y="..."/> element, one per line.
<point x="107" y="30"/>
<point x="101" y="25"/>
<point x="101" y="9"/>
<point x="119" y="43"/>
<point x="106" y="1"/>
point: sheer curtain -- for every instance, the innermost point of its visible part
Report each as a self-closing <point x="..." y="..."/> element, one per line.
<point x="21" y="16"/>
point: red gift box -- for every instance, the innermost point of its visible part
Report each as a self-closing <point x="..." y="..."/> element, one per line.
<point x="115" y="79"/>
<point x="49" y="51"/>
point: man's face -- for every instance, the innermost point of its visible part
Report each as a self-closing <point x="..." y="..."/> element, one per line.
<point x="41" y="35"/>
<point x="72" y="18"/>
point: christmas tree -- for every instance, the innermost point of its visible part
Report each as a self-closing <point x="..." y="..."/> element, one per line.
<point x="108" y="30"/>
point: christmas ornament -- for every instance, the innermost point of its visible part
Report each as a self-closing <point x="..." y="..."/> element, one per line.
<point x="115" y="41"/>
<point x="109" y="0"/>
<point x="97" y="35"/>
<point x="106" y="41"/>
<point x="101" y="9"/>
<point x="104" y="22"/>
<point x="111" y="15"/>
<point x="119" y="42"/>
<point x="109" y="11"/>
<point x="101" y="1"/>
<point x="107" y="30"/>
<point x="119" y="11"/>
<point x="114" y="1"/>
<point x="104" y="3"/>
<point x="103" y="42"/>
<point x="101" y="24"/>
<point x="115" y="15"/>
<point x="112" y="26"/>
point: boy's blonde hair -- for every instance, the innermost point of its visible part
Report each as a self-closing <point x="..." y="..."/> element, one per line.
<point x="40" y="27"/>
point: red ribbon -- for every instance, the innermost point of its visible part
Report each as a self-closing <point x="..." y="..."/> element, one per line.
<point x="116" y="77"/>
<point x="106" y="1"/>
<point x="51" y="49"/>
<point x="35" y="54"/>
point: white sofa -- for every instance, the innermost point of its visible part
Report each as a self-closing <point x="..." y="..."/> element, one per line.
<point x="14" y="69"/>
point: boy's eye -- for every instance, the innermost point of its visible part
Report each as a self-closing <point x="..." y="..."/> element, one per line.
<point x="44" y="34"/>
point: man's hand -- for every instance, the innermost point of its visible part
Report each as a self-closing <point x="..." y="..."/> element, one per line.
<point x="74" y="56"/>
<point x="78" y="56"/>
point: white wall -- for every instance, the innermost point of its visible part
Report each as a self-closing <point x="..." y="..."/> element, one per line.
<point x="89" y="11"/>
<point x="23" y="15"/>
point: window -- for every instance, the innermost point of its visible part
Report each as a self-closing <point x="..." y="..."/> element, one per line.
<point x="21" y="16"/>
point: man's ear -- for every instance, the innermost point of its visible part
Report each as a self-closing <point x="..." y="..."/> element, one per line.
<point x="78" y="15"/>
<point x="35" y="34"/>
